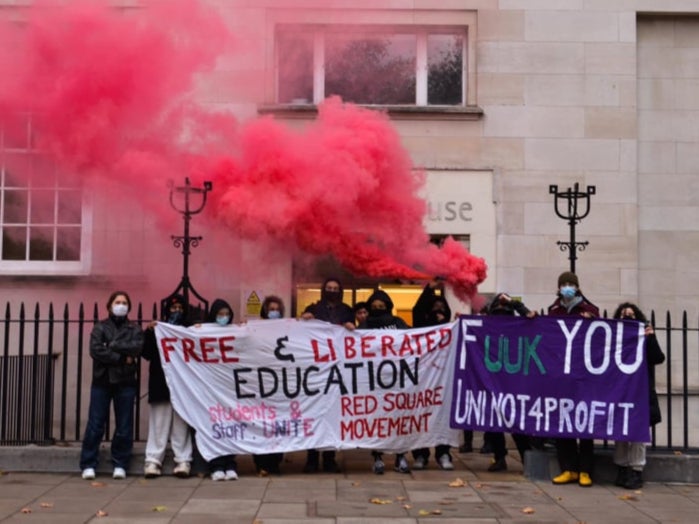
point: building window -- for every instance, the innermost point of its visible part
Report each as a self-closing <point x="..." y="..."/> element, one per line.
<point x="42" y="222"/>
<point x="421" y="66"/>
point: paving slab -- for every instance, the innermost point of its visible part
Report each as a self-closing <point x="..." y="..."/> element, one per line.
<point x="355" y="496"/>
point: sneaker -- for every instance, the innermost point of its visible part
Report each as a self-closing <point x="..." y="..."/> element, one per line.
<point x="498" y="465"/>
<point x="231" y="474"/>
<point x="445" y="462"/>
<point x="401" y="465"/>
<point x="420" y="463"/>
<point x="218" y="475"/>
<point x="151" y="470"/>
<point x="182" y="470"/>
<point x="466" y="448"/>
<point x="585" y="480"/>
<point x="566" y="477"/>
<point x="89" y="473"/>
<point x="379" y="466"/>
<point x="119" y="473"/>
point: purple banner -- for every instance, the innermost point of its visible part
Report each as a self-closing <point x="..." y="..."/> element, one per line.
<point x="552" y="376"/>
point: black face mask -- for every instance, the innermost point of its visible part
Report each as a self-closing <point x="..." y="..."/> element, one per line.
<point x="437" y="317"/>
<point x="377" y="312"/>
<point x="175" y="317"/>
<point x="332" y="296"/>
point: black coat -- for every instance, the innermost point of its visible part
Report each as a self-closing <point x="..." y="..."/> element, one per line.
<point x="157" y="385"/>
<point x="111" y="341"/>
<point x="334" y="313"/>
<point x="654" y="356"/>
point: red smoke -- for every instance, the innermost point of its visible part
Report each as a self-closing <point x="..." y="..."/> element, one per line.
<point x="112" y="97"/>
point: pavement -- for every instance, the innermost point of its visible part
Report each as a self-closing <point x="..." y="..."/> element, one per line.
<point x="467" y="495"/>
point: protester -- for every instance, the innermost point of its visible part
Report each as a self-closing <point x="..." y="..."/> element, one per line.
<point x="361" y="311"/>
<point x="503" y="304"/>
<point x="164" y="424"/>
<point x="630" y="457"/>
<point x="272" y="308"/>
<point x="223" y="467"/>
<point x="381" y="317"/>
<point x="115" y="345"/>
<point x="432" y="309"/>
<point x="329" y="308"/>
<point x="575" y="460"/>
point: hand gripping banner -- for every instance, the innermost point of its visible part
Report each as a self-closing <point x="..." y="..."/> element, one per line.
<point x="552" y="376"/>
<point x="283" y="385"/>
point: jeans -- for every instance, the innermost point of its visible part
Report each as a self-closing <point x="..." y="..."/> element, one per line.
<point x="122" y="440"/>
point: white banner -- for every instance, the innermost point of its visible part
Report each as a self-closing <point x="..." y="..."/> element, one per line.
<point x="284" y="385"/>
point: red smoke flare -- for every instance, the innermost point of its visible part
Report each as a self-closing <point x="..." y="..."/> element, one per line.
<point x="111" y="94"/>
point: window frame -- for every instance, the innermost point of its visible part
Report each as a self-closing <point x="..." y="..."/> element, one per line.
<point x="421" y="33"/>
<point x="414" y="21"/>
<point x="43" y="267"/>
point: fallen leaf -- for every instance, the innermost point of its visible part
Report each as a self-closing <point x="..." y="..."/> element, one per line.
<point x="356" y="484"/>
<point x="263" y="473"/>
<point x="528" y="510"/>
<point x="436" y="512"/>
<point x="159" y="509"/>
<point x="627" y="497"/>
<point x="677" y="452"/>
<point x="407" y="506"/>
<point x="97" y="484"/>
<point x="26" y="510"/>
<point x="377" y="500"/>
<point x="46" y="504"/>
<point x="423" y="512"/>
<point x="101" y="513"/>
<point x="400" y="498"/>
<point x="457" y="483"/>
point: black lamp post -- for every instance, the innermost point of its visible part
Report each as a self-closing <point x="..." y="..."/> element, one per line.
<point x="572" y="215"/>
<point x="186" y="242"/>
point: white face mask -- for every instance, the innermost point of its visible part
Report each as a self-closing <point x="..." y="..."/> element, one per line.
<point x="120" y="310"/>
<point x="274" y="314"/>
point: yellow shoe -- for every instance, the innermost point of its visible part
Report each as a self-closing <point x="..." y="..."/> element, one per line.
<point x="585" y="480"/>
<point x="567" y="477"/>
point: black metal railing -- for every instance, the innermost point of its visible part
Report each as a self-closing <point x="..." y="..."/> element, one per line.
<point x="45" y="371"/>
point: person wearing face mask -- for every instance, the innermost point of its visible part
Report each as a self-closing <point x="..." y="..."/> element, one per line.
<point x="575" y="456"/>
<point x="164" y="424"/>
<point x="225" y="466"/>
<point x="381" y="317"/>
<point x="272" y="309"/>
<point x="329" y="308"/>
<point x="115" y="345"/>
<point x="432" y="309"/>
<point x="630" y="457"/>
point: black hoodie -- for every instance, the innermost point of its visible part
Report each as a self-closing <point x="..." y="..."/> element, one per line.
<point x="333" y="312"/>
<point x="383" y="321"/>
<point x="216" y="306"/>
<point x="423" y="310"/>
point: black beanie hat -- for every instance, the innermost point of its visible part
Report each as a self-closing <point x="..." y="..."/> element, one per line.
<point x="569" y="277"/>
